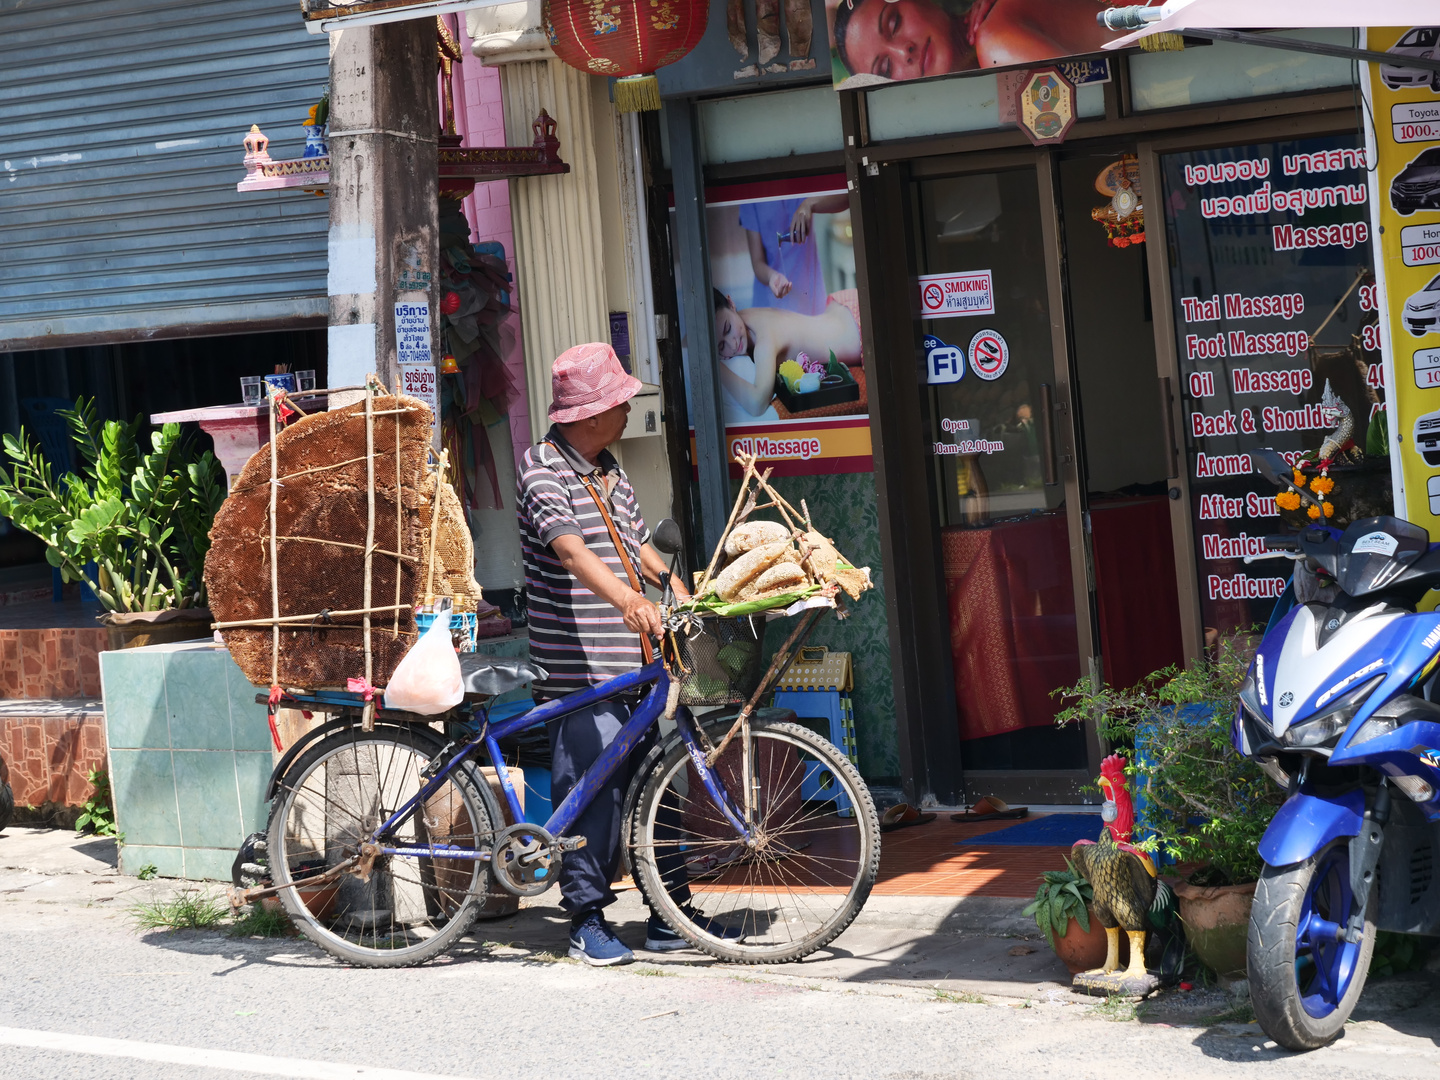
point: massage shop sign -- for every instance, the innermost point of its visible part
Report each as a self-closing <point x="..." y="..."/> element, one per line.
<point x="1405" y="187"/>
<point x="1274" y="307"/>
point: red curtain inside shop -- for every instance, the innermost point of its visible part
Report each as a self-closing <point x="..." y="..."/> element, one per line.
<point x="1135" y="585"/>
<point x="1012" y="622"/>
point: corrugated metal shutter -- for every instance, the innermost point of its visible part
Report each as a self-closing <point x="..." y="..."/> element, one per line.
<point x="120" y="137"/>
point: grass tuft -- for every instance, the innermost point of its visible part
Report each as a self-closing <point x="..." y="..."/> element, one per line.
<point x="962" y="998"/>
<point x="1116" y="1008"/>
<point x="263" y="922"/>
<point x="190" y="910"/>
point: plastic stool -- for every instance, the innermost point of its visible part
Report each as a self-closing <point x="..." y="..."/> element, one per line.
<point x="828" y="713"/>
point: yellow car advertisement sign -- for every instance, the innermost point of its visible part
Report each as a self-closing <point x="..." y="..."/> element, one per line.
<point x="1404" y="151"/>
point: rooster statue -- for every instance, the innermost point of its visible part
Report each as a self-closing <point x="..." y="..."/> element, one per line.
<point x="1122" y="877"/>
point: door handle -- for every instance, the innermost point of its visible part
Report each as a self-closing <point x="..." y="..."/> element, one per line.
<point x="1172" y="464"/>
<point x="1047" y="433"/>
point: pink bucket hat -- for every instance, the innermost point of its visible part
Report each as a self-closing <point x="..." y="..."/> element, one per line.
<point x="586" y="380"/>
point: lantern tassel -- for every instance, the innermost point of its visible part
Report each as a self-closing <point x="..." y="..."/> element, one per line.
<point x="1162" y="42"/>
<point x="637" y="93"/>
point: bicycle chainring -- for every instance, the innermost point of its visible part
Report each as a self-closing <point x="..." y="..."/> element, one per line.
<point x="525" y="860"/>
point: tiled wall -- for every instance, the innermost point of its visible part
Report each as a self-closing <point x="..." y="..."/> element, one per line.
<point x="50" y="747"/>
<point x="189" y="757"/>
<point x="51" y="663"/>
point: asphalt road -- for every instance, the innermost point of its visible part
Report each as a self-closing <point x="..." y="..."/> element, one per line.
<point x="89" y="996"/>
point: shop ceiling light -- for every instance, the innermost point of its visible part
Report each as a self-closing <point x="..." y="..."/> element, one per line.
<point x="324" y="17"/>
<point x="1222" y="20"/>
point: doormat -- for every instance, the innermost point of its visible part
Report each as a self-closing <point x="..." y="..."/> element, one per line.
<point x="1052" y="830"/>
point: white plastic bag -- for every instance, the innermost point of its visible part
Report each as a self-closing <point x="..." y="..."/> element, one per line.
<point x="427" y="681"/>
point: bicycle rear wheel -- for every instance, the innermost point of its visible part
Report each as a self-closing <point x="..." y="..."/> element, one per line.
<point x="810" y="872"/>
<point x="407" y="908"/>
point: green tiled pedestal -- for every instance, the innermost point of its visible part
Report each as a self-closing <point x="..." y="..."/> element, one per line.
<point x="190" y="753"/>
<point x="189" y="757"/>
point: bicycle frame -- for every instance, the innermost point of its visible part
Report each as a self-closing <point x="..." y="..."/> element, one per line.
<point x="646" y="715"/>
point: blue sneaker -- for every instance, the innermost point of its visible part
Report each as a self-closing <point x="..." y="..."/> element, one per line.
<point x="660" y="938"/>
<point x="595" y="943"/>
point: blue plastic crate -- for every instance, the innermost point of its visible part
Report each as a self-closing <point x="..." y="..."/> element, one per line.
<point x="464" y="626"/>
<point x="831" y="714"/>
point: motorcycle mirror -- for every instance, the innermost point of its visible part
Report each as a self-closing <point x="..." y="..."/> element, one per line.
<point x="1269" y="464"/>
<point x="667" y="538"/>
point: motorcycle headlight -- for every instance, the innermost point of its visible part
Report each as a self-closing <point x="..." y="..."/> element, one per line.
<point x="1375" y="727"/>
<point x="1319" y="730"/>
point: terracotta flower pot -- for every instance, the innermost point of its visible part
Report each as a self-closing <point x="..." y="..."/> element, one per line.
<point x="1080" y="951"/>
<point x="1217" y="923"/>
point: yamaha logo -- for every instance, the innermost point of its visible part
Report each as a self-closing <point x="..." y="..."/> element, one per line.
<point x="1333" y="624"/>
<point x="1285" y="699"/>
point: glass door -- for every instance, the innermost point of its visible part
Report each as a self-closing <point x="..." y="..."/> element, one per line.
<point x="1004" y="452"/>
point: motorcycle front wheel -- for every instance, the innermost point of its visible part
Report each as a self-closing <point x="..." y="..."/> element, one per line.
<point x="1304" y="976"/>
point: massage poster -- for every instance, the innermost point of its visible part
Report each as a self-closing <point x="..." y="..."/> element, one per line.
<point x="1274" y="308"/>
<point x="1405" y="187"/>
<point x="787" y="326"/>
<point x="878" y="41"/>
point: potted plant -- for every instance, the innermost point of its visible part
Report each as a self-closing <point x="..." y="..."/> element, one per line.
<point x="133" y="523"/>
<point x="1198" y="802"/>
<point x="1061" y="909"/>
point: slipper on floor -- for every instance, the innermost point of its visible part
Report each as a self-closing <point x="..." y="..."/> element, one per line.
<point x="991" y="809"/>
<point x="902" y="816"/>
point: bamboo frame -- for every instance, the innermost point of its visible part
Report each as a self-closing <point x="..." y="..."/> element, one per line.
<point x="357" y="547"/>
<point x="287" y="620"/>
<point x="368" y="719"/>
<point x="274" y="554"/>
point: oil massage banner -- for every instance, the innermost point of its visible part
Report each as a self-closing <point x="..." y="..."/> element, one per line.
<point x="1404" y="145"/>
<point x="782" y="262"/>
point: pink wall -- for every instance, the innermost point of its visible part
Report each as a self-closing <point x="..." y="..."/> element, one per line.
<point x="480" y="119"/>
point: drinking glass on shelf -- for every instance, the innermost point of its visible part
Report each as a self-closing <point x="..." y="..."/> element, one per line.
<point x="305" y="381"/>
<point x="250" y="392"/>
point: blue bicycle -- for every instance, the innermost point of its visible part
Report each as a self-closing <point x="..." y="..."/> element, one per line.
<point x="383" y="844"/>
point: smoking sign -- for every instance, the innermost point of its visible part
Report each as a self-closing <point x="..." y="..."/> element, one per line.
<point x="945" y="296"/>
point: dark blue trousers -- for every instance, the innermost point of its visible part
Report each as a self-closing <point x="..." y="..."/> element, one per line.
<point x="585" y="875"/>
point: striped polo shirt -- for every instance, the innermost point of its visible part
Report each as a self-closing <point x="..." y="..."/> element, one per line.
<point x="574" y="635"/>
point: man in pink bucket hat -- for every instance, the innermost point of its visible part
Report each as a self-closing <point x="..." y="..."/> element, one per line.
<point x="586" y="550"/>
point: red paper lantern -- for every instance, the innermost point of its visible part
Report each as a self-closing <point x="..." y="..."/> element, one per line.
<point x="627" y="40"/>
<point x="449" y="303"/>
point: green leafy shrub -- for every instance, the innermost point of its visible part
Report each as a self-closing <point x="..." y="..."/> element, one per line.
<point x="97" y="813"/>
<point x="1203" y="801"/>
<point x="141" y="516"/>
<point x="1063" y="895"/>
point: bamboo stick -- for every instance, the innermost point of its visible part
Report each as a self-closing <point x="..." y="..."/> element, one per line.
<point x="323" y="468"/>
<point x="399" y="535"/>
<point x="368" y="722"/>
<point x="749" y="466"/>
<point x="274" y="554"/>
<point x="357" y="547"/>
<point x="435" y="528"/>
<point x="288" y="619"/>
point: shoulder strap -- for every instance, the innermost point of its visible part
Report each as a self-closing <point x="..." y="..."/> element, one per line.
<point x="646" y="648"/>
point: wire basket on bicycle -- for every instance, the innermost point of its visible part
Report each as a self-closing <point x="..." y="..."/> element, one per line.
<point x="722" y="656"/>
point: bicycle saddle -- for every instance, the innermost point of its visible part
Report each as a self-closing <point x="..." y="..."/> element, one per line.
<point x="491" y="676"/>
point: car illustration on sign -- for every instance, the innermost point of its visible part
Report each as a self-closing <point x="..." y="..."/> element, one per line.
<point x="1418" y="184"/>
<point x="1427" y="438"/>
<point x="1423" y="43"/>
<point x="1422" y="311"/>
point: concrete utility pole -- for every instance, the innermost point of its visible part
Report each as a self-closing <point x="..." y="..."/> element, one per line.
<point x="384" y="241"/>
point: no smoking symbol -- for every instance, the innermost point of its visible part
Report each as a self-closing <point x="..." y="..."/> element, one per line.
<point x="989" y="355"/>
<point x="934" y="297"/>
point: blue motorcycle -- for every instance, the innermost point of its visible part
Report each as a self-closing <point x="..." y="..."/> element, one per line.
<point x="1341" y="708"/>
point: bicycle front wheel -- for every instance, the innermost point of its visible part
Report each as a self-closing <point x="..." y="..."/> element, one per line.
<point x="396" y="910"/>
<point x="816" y="852"/>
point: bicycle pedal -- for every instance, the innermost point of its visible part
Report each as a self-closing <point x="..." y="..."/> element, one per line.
<point x="571" y="843"/>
